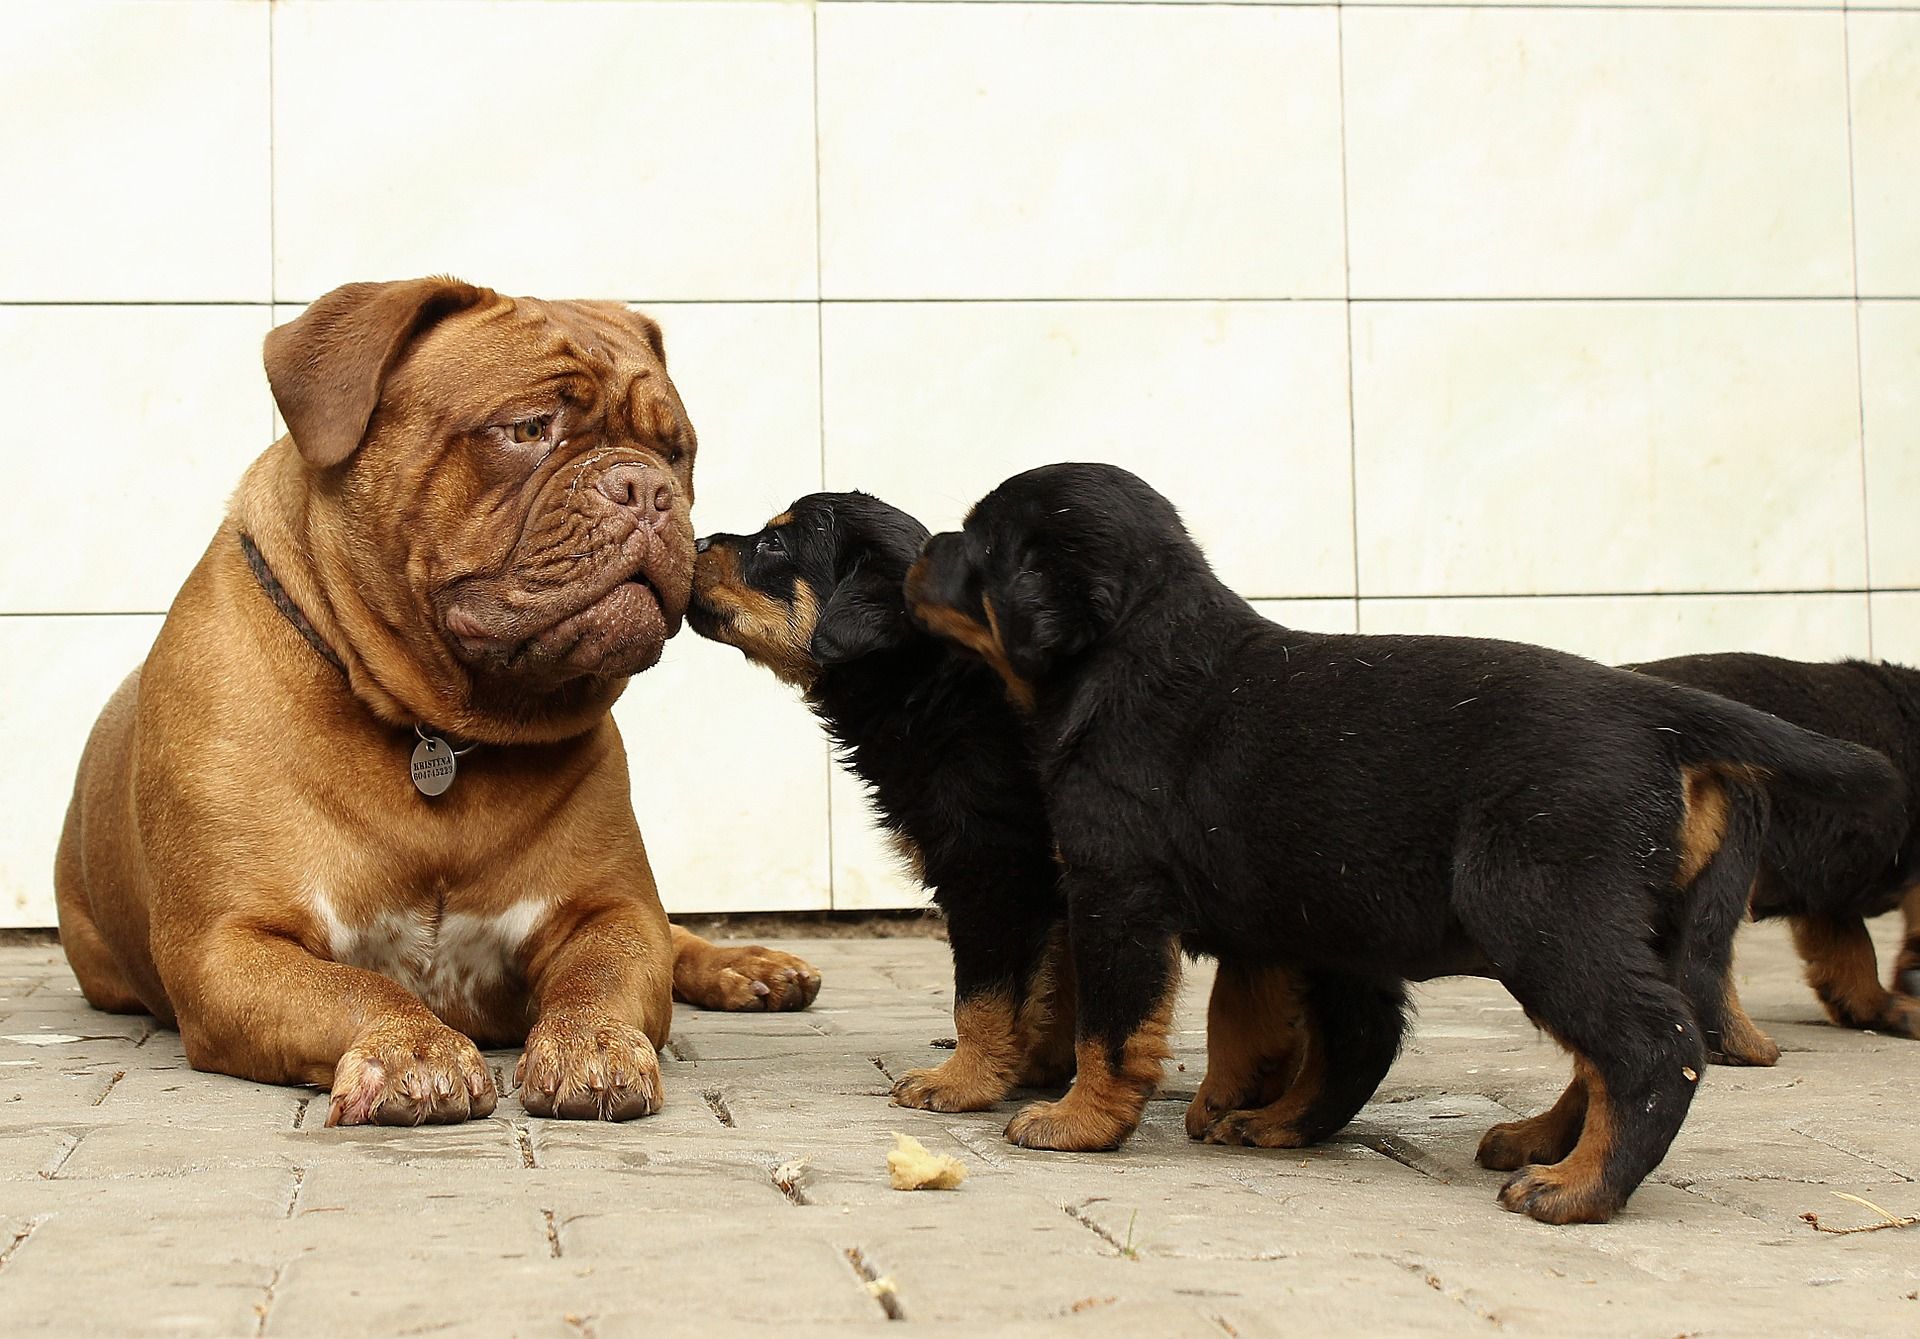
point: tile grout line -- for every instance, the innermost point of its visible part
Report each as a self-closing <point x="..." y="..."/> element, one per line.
<point x="1859" y="352"/>
<point x="820" y="387"/>
<point x="1111" y="300"/>
<point x="1346" y="308"/>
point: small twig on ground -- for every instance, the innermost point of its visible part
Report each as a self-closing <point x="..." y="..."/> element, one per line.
<point x="1893" y="1220"/>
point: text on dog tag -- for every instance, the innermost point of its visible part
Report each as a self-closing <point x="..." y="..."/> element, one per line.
<point x="433" y="766"/>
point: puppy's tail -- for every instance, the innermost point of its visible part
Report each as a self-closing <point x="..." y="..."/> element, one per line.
<point x="1739" y="742"/>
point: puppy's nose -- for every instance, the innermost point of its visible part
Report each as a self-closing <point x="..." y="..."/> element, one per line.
<point x="640" y="490"/>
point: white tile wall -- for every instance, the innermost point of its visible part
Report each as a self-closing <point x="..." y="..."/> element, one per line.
<point x="656" y="150"/>
<point x="145" y="418"/>
<point x="1535" y="321"/>
<point x="137" y="150"/>
<point x="1238" y="410"/>
<point x="1508" y="448"/>
<point x="56" y="672"/>
<point x="1884" y="57"/>
<point x="1078" y="151"/>
<point x="1614" y="153"/>
<point x="1890" y="398"/>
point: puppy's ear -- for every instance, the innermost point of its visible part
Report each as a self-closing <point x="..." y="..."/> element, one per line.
<point x="326" y="366"/>
<point x="865" y="613"/>
<point x="1037" y="627"/>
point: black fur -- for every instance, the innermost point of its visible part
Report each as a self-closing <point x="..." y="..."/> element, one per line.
<point x="1361" y="811"/>
<point x="1828" y="868"/>
<point x="927" y="728"/>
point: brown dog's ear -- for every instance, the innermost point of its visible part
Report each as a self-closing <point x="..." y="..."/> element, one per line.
<point x="326" y="366"/>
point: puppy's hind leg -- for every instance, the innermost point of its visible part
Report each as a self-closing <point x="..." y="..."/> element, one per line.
<point x="1906" y="967"/>
<point x="1843" y="971"/>
<point x="1576" y="957"/>
<point x="1719" y="847"/>
<point x="1353" y="1032"/>
<point x="1257" y="1031"/>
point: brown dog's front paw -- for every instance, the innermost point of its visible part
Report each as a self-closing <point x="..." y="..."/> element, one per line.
<point x="1549" y="1196"/>
<point x="588" y="1068"/>
<point x="949" y="1087"/>
<point x="737" y="979"/>
<point x="1068" y="1127"/>
<point x="410" y="1073"/>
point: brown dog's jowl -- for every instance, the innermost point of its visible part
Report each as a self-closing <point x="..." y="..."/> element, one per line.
<point x="476" y="531"/>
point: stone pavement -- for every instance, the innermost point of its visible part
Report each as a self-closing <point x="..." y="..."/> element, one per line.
<point x="138" y="1197"/>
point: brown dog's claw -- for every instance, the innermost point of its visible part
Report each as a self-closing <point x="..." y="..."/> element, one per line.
<point x="410" y="1073"/>
<point x="588" y="1069"/>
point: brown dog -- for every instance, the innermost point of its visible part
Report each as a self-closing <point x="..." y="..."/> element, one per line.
<point x="476" y="530"/>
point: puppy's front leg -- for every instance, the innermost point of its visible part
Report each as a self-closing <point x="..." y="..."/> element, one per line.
<point x="1127" y="972"/>
<point x="600" y="973"/>
<point x="1009" y="977"/>
<point x="253" y="1003"/>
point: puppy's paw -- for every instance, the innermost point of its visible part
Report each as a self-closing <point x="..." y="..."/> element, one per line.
<point x="407" y="1072"/>
<point x="588" y="1067"/>
<point x="1202" y="1115"/>
<point x="949" y="1087"/>
<point x="1253" y="1129"/>
<point x="1068" y="1126"/>
<point x="1513" y="1144"/>
<point x="1906" y="980"/>
<point x="737" y="979"/>
<point x="1549" y="1196"/>
<point x="1901" y="1018"/>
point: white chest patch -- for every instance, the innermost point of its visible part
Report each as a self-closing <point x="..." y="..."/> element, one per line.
<point x="449" y="961"/>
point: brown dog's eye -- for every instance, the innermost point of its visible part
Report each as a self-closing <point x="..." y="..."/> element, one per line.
<point x="675" y="455"/>
<point x="529" y="430"/>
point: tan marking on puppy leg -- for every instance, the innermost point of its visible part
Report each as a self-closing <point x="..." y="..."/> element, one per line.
<point x="1573" y="1190"/>
<point x="1906" y="967"/>
<point x="1844" y="973"/>
<point x="1545" y="1138"/>
<point x="1257" y="1044"/>
<point x="984" y="1063"/>
<point x="1106" y="1101"/>
<point x="1741" y="1040"/>
<point x="1049" y="1020"/>
<point x="1703" y="822"/>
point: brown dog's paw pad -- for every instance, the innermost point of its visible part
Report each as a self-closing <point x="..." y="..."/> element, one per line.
<point x="411" y="1074"/>
<point x="1543" y="1194"/>
<point x="593" y="1069"/>
<point x="739" y="979"/>
<point x="941" y="1089"/>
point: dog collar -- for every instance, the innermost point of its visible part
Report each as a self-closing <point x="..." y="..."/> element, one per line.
<point x="435" y="759"/>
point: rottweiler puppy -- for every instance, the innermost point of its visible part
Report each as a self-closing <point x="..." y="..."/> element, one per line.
<point x="1333" y="816"/>
<point x="816" y="596"/>
<point x="1828" y="870"/>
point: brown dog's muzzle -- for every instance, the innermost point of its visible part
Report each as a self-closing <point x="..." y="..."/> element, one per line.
<point x="597" y="583"/>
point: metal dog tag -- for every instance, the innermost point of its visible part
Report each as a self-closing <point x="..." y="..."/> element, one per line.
<point x="433" y="765"/>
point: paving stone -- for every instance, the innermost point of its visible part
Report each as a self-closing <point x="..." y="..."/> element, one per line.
<point x="139" y="1197"/>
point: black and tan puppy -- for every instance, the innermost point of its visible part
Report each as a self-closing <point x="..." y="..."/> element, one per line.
<point x="1827" y="870"/>
<point x="815" y="596"/>
<point x="1332" y="816"/>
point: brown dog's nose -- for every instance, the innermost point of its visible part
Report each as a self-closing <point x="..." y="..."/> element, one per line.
<point x="640" y="490"/>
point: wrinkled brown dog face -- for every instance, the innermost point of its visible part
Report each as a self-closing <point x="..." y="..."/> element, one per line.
<point x="527" y="465"/>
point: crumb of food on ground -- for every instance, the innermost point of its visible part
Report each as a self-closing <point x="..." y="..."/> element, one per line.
<point x="911" y="1166"/>
<point x="787" y="1175"/>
